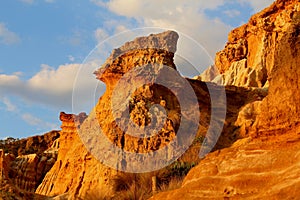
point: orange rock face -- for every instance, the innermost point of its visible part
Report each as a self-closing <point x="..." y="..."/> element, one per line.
<point x="264" y="165"/>
<point x="155" y="49"/>
<point x="256" y="155"/>
<point x="20" y="175"/>
<point x="77" y="170"/>
<point x="249" y="55"/>
<point x="250" y="169"/>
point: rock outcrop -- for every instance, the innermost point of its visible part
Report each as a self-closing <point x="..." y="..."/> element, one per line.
<point x="264" y="165"/>
<point x="256" y="155"/>
<point x="280" y="111"/>
<point x="250" y="169"/>
<point x="28" y="171"/>
<point x="77" y="172"/>
<point x="20" y="176"/>
<point x="156" y="49"/>
<point x="25" y="162"/>
<point x="35" y="144"/>
<point x="85" y="172"/>
<point x="249" y="55"/>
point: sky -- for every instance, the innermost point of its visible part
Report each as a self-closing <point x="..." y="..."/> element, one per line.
<point x="45" y="44"/>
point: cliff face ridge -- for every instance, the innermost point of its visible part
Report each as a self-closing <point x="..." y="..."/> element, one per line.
<point x="78" y="169"/>
<point x="25" y="162"/>
<point x="265" y="164"/>
<point x="255" y="157"/>
<point x="249" y="55"/>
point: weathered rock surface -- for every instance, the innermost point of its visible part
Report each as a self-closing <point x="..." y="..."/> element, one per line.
<point x="85" y="173"/>
<point x="257" y="154"/>
<point x="77" y="172"/>
<point x="28" y="171"/>
<point x="35" y="144"/>
<point x="264" y="165"/>
<point x="280" y="110"/>
<point x="25" y="162"/>
<point x="266" y="168"/>
<point x="249" y="55"/>
<point x="18" y="187"/>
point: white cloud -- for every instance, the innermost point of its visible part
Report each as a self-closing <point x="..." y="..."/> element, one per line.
<point x="52" y="80"/>
<point x="100" y="35"/>
<point x="232" y="13"/>
<point x="6" y="36"/>
<point x="71" y="58"/>
<point x="34" y="121"/>
<point x="159" y="8"/>
<point x="100" y="3"/>
<point x="53" y="87"/>
<point x="120" y="28"/>
<point x="187" y="17"/>
<point x="257" y="5"/>
<point x="10" y="107"/>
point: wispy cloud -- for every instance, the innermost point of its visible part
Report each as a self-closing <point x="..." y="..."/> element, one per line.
<point x="9" y="106"/>
<point x="77" y="38"/>
<point x="100" y="34"/>
<point x="257" y="5"/>
<point x="28" y="118"/>
<point x="37" y="122"/>
<point x="232" y="13"/>
<point x="8" y="37"/>
<point x="71" y="58"/>
<point x="100" y="3"/>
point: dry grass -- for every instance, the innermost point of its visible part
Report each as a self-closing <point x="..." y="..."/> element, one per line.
<point x="131" y="186"/>
<point x="173" y="184"/>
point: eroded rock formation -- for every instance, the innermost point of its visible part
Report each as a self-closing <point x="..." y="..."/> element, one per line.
<point x="250" y="169"/>
<point x="257" y="154"/>
<point x="21" y="174"/>
<point x="86" y="173"/>
<point x="249" y="56"/>
<point x="156" y="49"/>
<point x="35" y="144"/>
<point x="77" y="172"/>
<point x="264" y="165"/>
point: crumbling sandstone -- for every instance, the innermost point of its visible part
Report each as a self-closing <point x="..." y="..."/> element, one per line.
<point x="265" y="164"/>
<point x="249" y="55"/>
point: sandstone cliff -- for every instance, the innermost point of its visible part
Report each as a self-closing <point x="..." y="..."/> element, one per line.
<point x="35" y="144"/>
<point x="21" y="174"/>
<point x="264" y="165"/>
<point x="84" y="172"/>
<point x="77" y="170"/>
<point x="249" y="55"/>
<point x="256" y="155"/>
<point x="251" y="169"/>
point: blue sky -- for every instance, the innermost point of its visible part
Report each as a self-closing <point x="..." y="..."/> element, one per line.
<point x="43" y="43"/>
